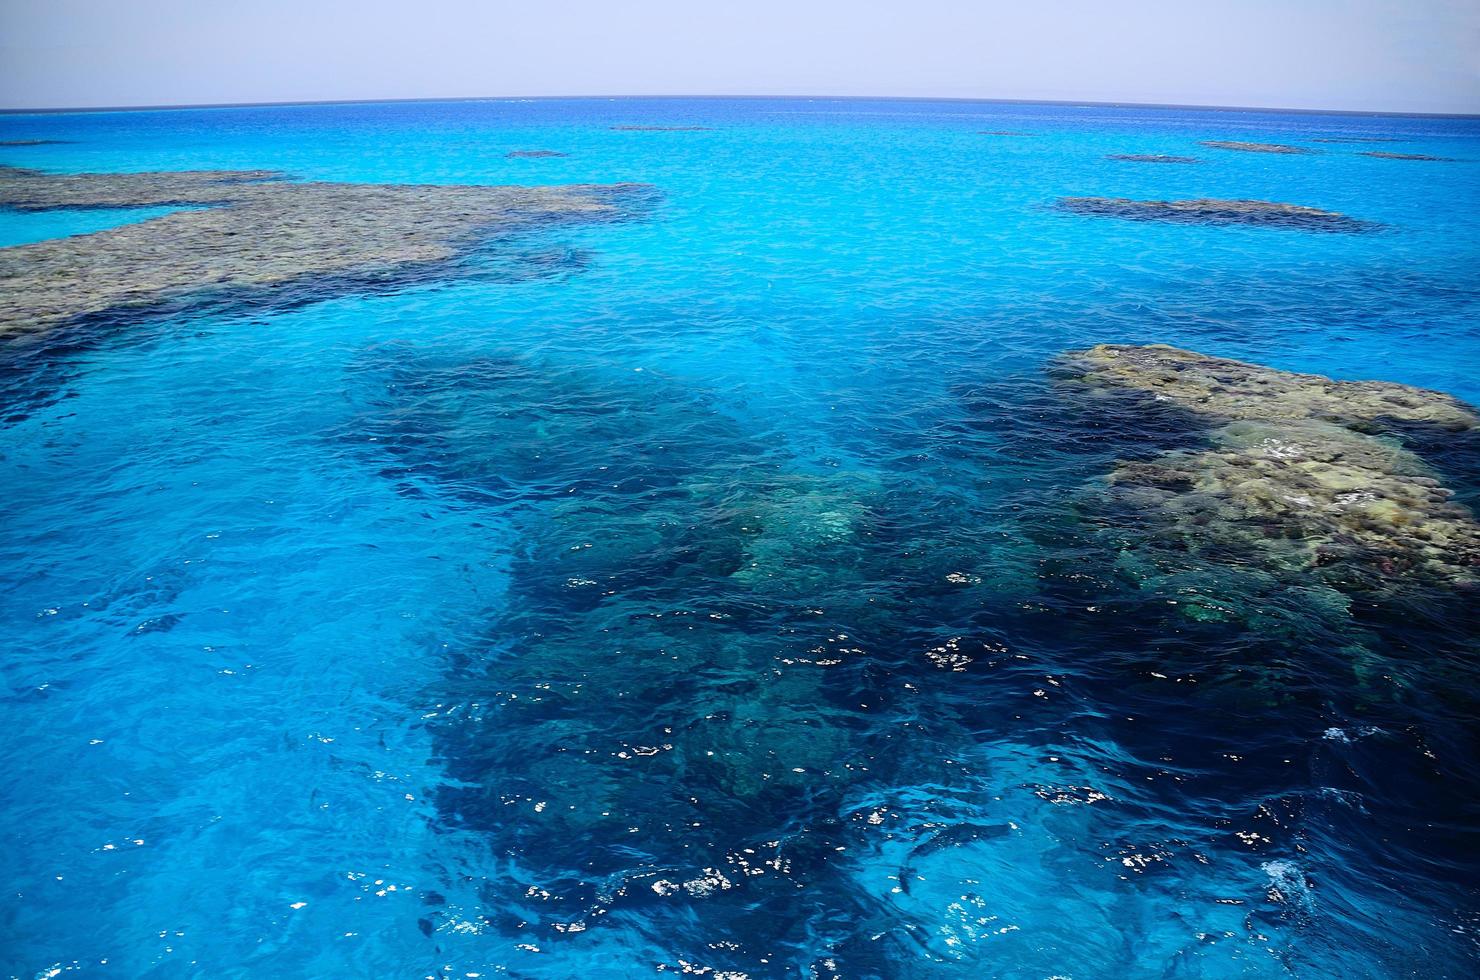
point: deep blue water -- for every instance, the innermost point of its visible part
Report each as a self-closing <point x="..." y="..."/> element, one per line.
<point x="706" y="592"/>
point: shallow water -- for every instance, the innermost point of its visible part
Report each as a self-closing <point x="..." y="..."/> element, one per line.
<point x="716" y="591"/>
<point x="23" y="227"/>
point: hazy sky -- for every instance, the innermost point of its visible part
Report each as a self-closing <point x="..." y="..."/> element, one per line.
<point x="1407" y="55"/>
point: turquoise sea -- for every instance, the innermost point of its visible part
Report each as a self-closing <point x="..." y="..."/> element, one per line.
<point x="710" y="592"/>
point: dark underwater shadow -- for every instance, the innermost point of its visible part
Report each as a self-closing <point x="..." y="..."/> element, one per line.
<point x="667" y="708"/>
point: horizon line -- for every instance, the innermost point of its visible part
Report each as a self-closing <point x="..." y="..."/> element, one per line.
<point x="1085" y="103"/>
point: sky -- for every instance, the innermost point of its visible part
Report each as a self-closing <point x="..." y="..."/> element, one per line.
<point x="1384" y="55"/>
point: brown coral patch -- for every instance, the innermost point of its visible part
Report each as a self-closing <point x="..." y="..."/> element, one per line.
<point x="1150" y="158"/>
<point x="1384" y="155"/>
<point x="253" y="230"/>
<point x="1212" y="211"/>
<point x="1299" y="474"/>
<point x="1255" y="147"/>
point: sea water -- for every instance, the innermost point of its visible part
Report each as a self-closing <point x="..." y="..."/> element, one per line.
<point x="705" y="593"/>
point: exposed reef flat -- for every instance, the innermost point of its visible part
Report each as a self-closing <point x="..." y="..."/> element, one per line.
<point x="37" y="190"/>
<point x="1255" y="147"/>
<point x="32" y="142"/>
<point x="1150" y="158"/>
<point x="1227" y="389"/>
<point x="253" y="231"/>
<point x="534" y="154"/>
<point x="661" y="129"/>
<point x="1299" y="474"/>
<point x="1385" y="155"/>
<point x="1268" y="214"/>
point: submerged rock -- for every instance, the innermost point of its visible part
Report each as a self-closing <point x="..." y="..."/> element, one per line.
<point x="1255" y="147"/>
<point x="534" y="154"/>
<point x="1300" y="475"/>
<point x="1226" y="389"/>
<point x="1151" y="158"/>
<point x="252" y="230"/>
<point x="661" y="129"/>
<point x="1212" y="211"/>
<point x="1385" y="155"/>
<point x="32" y="142"/>
<point x="1306" y="495"/>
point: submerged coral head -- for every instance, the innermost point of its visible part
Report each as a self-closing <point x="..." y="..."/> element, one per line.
<point x="1212" y="211"/>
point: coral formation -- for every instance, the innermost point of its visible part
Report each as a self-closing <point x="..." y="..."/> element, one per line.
<point x="1151" y="158"/>
<point x="1385" y="155"/>
<point x="1255" y="147"/>
<point x="1299" y="474"/>
<point x="534" y="154"/>
<point x="251" y="230"/>
<point x="1211" y="211"/>
<point x="1226" y="390"/>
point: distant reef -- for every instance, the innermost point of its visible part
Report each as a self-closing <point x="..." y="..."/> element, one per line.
<point x="1384" y="155"/>
<point x="253" y="230"/>
<point x="33" y="142"/>
<point x="1255" y="147"/>
<point x="534" y="154"/>
<point x="661" y="129"/>
<point x="1212" y="211"/>
<point x="1151" y="158"/>
<point x="1294" y="475"/>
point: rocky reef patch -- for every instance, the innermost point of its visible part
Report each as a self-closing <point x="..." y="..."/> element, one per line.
<point x="1151" y="158"/>
<point x="1385" y="155"/>
<point x="252" y="230"/>
<point x="1297" y="476"/>
<point x="534" y="154"/>
<point x="1210" y="211"/>
<point x="1244" y="147"/>
<point x="660" y="129"/>
<point x="32" y="142"/>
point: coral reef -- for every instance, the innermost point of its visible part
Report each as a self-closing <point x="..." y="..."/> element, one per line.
<point x="1299" y="476"/>
<point x="32" y="142"/>
<point x="1267" y="214"/>
<point x="1255" y="147"/>
<point x="661" y="129"/>
<point x="251" y="230"/>
<point x="1225" y="389"/>
<point x="1385" y="155"/>
<point x="1151" y="158"/>
<point x="534" y="154"/>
